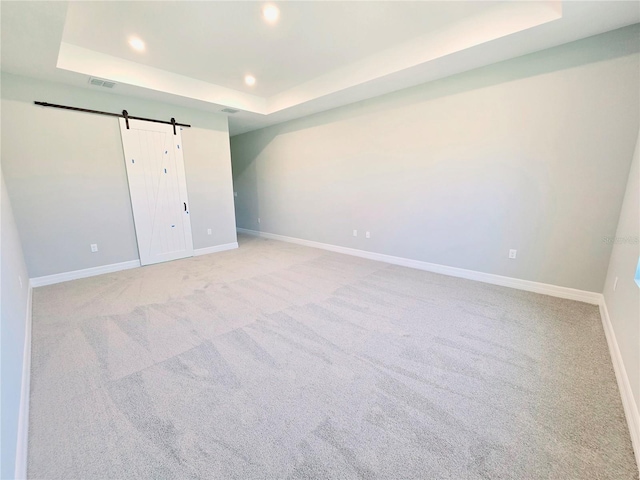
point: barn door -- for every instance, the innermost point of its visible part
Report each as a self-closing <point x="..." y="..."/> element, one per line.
<point x="158" y="188"/>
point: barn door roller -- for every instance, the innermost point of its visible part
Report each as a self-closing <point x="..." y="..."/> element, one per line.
<point x="124" y="115"/>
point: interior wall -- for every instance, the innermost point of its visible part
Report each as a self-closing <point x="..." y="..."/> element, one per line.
<point x="67" y="180"/>
<point x="529" y="154"/>
<point x="14" y="289"/>
<point x="210" y="186"/>
<point x="623" y="303"/>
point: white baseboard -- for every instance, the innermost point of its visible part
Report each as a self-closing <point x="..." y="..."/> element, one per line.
<point x="114" y="267"/>
<point x="216" y="249"/>
<point x="23" y="415"/>
<point x="87" y="272"/>
<point x="628" y="402"/>
<point x="528" y="285"/>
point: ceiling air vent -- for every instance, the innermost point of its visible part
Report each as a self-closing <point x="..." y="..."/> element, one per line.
<point x="98" y="82"/>
<point x="229" y="110"/>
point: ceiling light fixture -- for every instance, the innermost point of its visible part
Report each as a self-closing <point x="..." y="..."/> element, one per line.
<point x="250" y="80"/>
<point x="136" y="44"/>
<point x="270" y="13"/>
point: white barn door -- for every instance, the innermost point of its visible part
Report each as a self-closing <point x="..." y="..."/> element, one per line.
<point x="158" y="188"/>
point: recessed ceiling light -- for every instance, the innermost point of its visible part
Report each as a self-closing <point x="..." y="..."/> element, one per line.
<point x="250" y="80"/>
<point x="270" y="13"/>
<point x="136" y="44"/>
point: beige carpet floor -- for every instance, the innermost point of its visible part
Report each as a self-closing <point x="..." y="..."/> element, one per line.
<point x="279" y="361"/>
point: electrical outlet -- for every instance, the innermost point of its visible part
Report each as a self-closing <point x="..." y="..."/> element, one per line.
<point x="20" y="280"/>
<point x="235" y="194"/>
<point x="258" y="219"/>
<point x="368" y="235"/>
<point x="208" y="231"/>
<point x="513" y="253"/>
<point x="94" y="247"/>
<point x="355" y="233"/>
<point x="615" y="284"/>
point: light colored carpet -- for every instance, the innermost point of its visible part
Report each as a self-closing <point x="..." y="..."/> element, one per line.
<point x="278" y="361"/>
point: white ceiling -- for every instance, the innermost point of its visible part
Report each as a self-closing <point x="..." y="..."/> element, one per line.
<point x="221" y="42"/>
<point x="319" y="55"/>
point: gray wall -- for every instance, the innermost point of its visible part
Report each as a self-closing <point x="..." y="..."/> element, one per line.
<point x="14" y="283"/>
<point x="210" y="186"/>
<point x="531" y="154"/>
<point x="67" y="181"/>
<point x="623" y="304"/>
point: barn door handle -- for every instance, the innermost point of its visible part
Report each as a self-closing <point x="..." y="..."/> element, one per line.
<point x="185" y="206"/>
